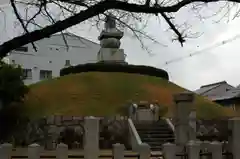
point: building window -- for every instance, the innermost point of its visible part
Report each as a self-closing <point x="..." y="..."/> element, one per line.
<point x="27" y="74"/>
<point x="13" y="61"/>
<point x="23" y="49"/>
<point x="45" y="74"/>
<point x="67" y="63"/>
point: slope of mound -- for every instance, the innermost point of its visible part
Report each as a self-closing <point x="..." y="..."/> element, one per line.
<point x="104" y="94"/>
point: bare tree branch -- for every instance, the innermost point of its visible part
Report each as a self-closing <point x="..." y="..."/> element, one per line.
<point x="94" y="8"/>
<point x="172" y="26"/>
<point x="21" y="21"/>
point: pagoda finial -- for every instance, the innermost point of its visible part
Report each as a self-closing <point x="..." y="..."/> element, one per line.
<point x="110" y="22"/>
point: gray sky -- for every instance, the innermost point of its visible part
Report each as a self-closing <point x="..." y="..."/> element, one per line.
<point x="212" y="66"/>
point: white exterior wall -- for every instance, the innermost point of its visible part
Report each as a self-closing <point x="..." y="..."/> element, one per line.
<point x="52" y="55"/>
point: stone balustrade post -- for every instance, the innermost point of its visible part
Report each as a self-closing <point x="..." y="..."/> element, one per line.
<point x="205" y="148"/>
<point x="62" y="151"/>
<point x="169" y="151"/>
<point x="34" y="151"/>
<point x="193" y="149"/>
<point x="91" y="138"/>
<point x="118" y="151"/>
<point x="235" y="137"/>
<point x="156" y="115"/>
<point x="5" y="151"/>
<point x="215" y="148"/>
<point x="183" y="102"/>
<point x="144" y="151"/>
<point x="192" y="124"/>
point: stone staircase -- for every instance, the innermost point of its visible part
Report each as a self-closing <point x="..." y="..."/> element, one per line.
<point x="154" y="133"/>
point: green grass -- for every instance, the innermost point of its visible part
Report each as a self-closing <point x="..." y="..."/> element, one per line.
<point x="104" y="94"/>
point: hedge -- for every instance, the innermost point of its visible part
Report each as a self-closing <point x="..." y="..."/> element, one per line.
<point x="115" y="67"/>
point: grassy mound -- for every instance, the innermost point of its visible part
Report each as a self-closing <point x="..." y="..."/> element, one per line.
<point x="104" y="94"/>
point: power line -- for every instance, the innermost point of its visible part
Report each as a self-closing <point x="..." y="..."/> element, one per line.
<point x="203" y="50"/>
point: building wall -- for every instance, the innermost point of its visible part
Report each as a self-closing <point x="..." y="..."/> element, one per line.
<point x="52" y="54"/>
<point x="233" y="103"/>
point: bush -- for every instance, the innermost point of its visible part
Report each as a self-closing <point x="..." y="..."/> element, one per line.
<point x="12" y="121"/>
<point x="12" y="91"/>
<point x="115" y="67"/>
<point x="12" y="88"/>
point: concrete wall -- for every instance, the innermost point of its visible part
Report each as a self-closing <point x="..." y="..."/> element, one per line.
<point x="52" y="55"/>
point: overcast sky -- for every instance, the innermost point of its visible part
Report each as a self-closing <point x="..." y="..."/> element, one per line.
<point x="215" y="65"/>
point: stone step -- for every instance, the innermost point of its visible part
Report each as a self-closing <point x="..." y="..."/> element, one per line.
<point x="160" y="140"/>
<point x="160" y="135"/>
<point x="156" y="148"/>
<point x="151" y="125"/>
<point x="155" y="134"/>
<point x="157" y="139"/>
<point x="154" y="144"/>
<point x="152" y="128"/>
<point x="165" y="131"/>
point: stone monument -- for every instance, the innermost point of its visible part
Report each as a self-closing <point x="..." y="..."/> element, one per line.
<point x="110" y="42"/>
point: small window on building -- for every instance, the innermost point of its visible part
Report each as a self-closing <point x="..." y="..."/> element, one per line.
<point x="13" y="61"/>
<point x="45" y="74"/>
<point x="67" y="63"/>
<point x="23" y="49"/>
<point x="27" y="74"/>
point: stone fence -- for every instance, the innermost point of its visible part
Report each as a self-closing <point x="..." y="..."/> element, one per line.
<point x="194" y="150"/>
<point x="191" y="149"/>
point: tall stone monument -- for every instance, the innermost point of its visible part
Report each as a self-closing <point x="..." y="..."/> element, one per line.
<point x="110" y="42"/>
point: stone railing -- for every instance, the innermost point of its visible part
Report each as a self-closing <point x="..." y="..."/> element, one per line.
<point x="196" y="150"/>
<point x="35" y="151"/>
<point x="134" y="137"/>
<point x="91" y="147"/>
<point x="170" y="124"/>
<point x="191" y="149"/>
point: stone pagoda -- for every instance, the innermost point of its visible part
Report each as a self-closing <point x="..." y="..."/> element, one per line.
<point x="110" y="42"/>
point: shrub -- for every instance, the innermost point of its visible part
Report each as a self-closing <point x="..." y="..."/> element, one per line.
<point x="115" y="67"/>
<point x="12" y="88"/>
<point x="12" y="91"/>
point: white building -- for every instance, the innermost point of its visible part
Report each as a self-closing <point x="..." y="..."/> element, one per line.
<point x="52" y="55"/>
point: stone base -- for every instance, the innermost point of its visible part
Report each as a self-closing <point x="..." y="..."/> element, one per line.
<point x="110" y="54"/>
<point x="114" y="62"/>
